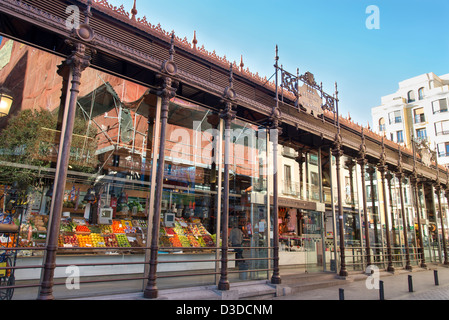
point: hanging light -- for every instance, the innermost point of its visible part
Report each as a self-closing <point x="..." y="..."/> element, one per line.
<point x="6" y="101"/>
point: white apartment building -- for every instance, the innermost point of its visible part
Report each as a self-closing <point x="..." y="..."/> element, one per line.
<point x="419" y="109"/>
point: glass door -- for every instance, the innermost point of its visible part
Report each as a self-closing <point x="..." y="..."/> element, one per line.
<point x="313" y="241"/>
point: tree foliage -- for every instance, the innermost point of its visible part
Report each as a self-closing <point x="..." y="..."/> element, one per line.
<point x="31" y="140"/>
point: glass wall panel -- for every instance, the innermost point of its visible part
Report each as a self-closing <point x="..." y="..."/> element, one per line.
<point x="248" y="214"/>
<point x="190" y="200"/>
<point x="105" y="202"/>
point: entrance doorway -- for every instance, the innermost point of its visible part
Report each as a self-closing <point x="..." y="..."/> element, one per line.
<point x="313" y="241"/>
<point x="301" y="240"/>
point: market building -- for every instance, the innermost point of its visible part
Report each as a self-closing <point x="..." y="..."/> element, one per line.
<point x="140" y="157"/>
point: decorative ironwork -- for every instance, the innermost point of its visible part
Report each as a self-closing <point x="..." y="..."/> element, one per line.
<point x="305" y="92"/>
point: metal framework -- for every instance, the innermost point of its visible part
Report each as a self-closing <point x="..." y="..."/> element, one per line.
<point x="170" y="77"/>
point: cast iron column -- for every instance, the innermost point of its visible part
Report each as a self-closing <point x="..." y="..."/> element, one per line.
<point x="400" y="176"/>
<point x="337" y="152"/>
<point x="166" y="92"/>
<point x="389" y="176"/>
<point x="382" y="169"/>
<point x="443" y="231"/>
<point x="414" y="181"/>
<point x="371" y="171"/>
<point x="228" y="115"/>
<point x="77" y="62"/>
<point x="446" y="192"/>
<point x="362" y="162"/>
<point x="275" y="132"/>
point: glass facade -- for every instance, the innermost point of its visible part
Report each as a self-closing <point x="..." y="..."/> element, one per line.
<point x="109" y="195"/>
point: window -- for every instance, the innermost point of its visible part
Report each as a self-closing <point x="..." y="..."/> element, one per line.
<point x="442" y="128"/>
<point x="395" y="117"/>
<point x="288" y="179"/>
<point x="421" y="93"/>
<point x="419" y="115"/>
<point x="410" y="96"/>
<point x="421" y="134"/>
<point x="439" y="106"/>
<point x="400" y="136"/>
<point x="443" y="149"/>
<point x="382" y="125"/>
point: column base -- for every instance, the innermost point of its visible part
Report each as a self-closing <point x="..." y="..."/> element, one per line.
<point x="151" y="293"/>
<point x="223" y="285"/>
<point x="343" y="273"/>
<point x="390" y="269"/>
<point x="276" y="280"/>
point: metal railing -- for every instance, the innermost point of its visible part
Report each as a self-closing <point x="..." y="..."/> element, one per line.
<point x="356" y="257"/>
<point x="255" y="265"/>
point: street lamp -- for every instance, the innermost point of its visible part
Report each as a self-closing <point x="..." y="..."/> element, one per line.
<point x="6" y="101"/>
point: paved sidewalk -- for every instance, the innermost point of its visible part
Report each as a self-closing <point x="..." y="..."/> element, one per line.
<point x="396" y="287"/>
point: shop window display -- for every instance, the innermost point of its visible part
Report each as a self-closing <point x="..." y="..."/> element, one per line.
<point x="190" y="193"/>
<point x="106" y="193"/>
<point x="248" y="196"/>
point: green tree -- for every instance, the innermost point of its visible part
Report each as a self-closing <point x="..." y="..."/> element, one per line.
<point x="31" y="141"/>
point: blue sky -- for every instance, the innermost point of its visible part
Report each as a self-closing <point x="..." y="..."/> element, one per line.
<point x="327" y="37"/>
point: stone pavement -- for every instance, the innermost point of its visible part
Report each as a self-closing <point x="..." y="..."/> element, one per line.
<point x="356" y="286"/>
<point x="396" y="286"/>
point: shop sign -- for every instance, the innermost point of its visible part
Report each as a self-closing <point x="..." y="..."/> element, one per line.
<point x="310" y="100"/>
<point x="294" y="203"/>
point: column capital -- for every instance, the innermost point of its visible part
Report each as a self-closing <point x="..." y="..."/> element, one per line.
<point x="362" y="161"/>
<point x="389" y="176"/>
<point x="337" y="146"/>
<point x="371" y="170"/>
<point x="228" y="113"/>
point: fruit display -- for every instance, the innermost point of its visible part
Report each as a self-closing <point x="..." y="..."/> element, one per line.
<point x="140" y="223"/>
<point x="201" y="241"/>
<point x="209" y="241"/>
<point x="97" y="240"/>
<point x="193" y="242"/>
<point x="129" y="233"/>
<point x="184" y="241"/>
<point x="9" y="243"/>
<point x="164" y="242"/>
<point x="202" y="230"/>
<point x="68" y="241"/>
<point x="110" y="241"/>
<point x="106" y="229"/>
<point x="67" y="226"/>
<point x="117" y="227"/>
<point x="122" y="241"/>
<point x="193" y="229"/>
<point x="128" y="227"/>
<point x="179" y="230"/>
<point x="175" y="242"/>
<point x="82" y="228"/>
<point x="169" y="231"/>
<point x="84" y="240"/>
